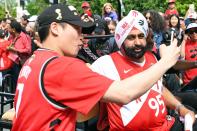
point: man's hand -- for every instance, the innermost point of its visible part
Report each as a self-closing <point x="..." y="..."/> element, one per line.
<point x="11" y="48"/>
<point x="183" y="111"/>
<point x="171" y="53"/>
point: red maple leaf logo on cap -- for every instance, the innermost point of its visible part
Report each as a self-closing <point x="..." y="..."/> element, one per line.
<point x="117" y="36"/>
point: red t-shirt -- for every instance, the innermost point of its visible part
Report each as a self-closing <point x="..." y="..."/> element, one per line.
<point x="23" y="43"/>
<point x="66" y="80"/>
<point x="190" y="55"/>
<point x="170" y="12"/>
<point x="5" y="62"/>
<point x="23" y="46"/>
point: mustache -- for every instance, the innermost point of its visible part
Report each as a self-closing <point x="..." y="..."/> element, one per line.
<point x="136" y="47"/>
<point x="132" y="53"/>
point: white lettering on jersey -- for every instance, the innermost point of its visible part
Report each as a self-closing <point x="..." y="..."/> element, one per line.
<point x="25" y="71"/>
<point x="155" y="103"/>
<point x="129" y="111"/>
<point x="158" y="87"/>
<point x="19" y="88"/>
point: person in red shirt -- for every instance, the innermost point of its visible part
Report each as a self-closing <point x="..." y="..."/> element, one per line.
<point x="21" y="42"/>
<point x="87" y="14"/>
<point x="147" y="112"/>
<point x="86" y="8"/>
<point x="5" y="62"/>
<point x="20" y="48"/>
<point x="189" y="52"/>
<point x="171" y="8"/>
<point x="53" y="85"/>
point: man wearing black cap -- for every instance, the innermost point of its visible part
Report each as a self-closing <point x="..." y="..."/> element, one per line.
<point x="53" y="85"/>
<point x="189" y="52"/>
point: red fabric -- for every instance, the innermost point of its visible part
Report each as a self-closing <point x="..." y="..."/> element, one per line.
<point x="89" y="13"/>
<point x="67" y="80"/>
<point x="190" y="50"/>
<point x="103" y="122"/>
<point x="23" y="43"/>
<point x="23" y="46"/>
<point x="169" y="12"/>
<point x="5" y="62"/>
<point x="145" y="113"/>
<point x="85" y="4"/>
<point x="14" y="57"/>
<point x="170" y="1"/>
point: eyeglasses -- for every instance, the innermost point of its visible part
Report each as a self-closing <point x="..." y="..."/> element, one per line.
<point x="192" y="32"/>
<point x="133" y="37"/>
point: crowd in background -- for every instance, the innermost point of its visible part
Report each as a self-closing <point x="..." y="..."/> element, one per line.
<point x="160" y="24"/>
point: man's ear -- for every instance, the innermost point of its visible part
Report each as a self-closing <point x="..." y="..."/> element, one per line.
<point x="54" y="29"/>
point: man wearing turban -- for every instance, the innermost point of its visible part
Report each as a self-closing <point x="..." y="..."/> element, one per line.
<point x="148" y="112"/>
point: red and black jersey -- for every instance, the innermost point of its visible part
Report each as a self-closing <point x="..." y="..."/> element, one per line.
<point x="148" y="112"/>
<point x="51" y="89"/>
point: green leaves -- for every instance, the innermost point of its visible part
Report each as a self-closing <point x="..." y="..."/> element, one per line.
<point x="34" y="7"/>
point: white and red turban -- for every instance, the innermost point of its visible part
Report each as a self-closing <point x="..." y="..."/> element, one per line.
<point x="133" y="20"/>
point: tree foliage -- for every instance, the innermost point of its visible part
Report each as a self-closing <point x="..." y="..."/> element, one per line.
<point x="11" y="7"/>
<point x="34" y="7"/>
<point x="140" y="5"/>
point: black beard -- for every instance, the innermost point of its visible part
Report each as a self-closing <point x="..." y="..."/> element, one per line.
<point x="131" y="53"/>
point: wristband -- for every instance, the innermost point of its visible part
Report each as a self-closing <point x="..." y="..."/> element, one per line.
<point x="177" y="109"/>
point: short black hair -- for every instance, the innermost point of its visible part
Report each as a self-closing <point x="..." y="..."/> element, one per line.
<point x="43" y="32"/>
<point x="16" y="25"/>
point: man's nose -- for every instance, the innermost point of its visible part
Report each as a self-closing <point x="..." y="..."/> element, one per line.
<point x="137" y="41"/>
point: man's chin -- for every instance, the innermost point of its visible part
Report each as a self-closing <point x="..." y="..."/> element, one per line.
<point x="137" y="56"/>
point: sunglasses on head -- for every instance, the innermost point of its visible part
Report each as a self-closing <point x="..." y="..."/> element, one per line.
<point x="133" y="37"/>
<point x="192" y="32"/>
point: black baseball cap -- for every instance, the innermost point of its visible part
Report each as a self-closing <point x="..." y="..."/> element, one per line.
<point x="101" y="25"/>
<point x="62" y="13"/>
<point x="191" y="26"/>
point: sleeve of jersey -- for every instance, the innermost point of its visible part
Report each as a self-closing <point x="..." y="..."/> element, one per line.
<point x="72" y="83"/>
